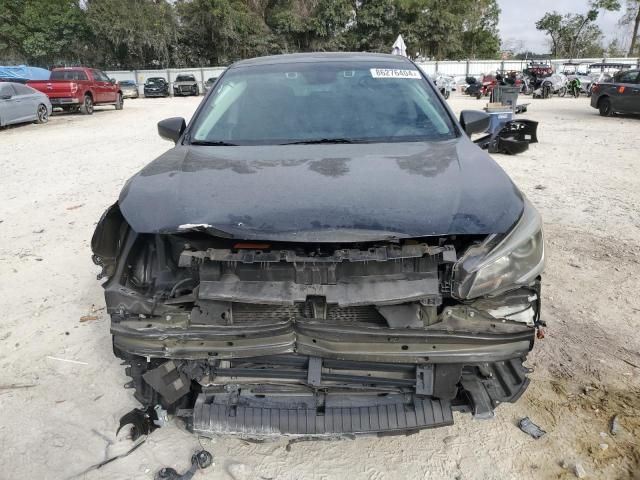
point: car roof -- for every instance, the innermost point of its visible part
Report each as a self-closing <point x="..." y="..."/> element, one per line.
<point x="322" y="57"/>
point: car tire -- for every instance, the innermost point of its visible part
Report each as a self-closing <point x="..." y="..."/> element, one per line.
<point x="42" y="114"/>
<point x="604" y="107"/>
<point x="87" y="105"/>
<point x="562" y="91"/>
<point x="119" y="102"/>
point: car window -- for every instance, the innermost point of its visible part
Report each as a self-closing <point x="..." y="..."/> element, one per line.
<point x="68" y="75"/>
<point x="6" y="89"/>
<point x="156" y="81"/>
<point x="23" y="89"/>
<point x="100" y="76"/>
<point x="626" y="77"/>
<point x="276" y="104"/>
<point x="185" y="78"/>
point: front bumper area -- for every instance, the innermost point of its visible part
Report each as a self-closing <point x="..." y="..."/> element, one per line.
<point x="56" y="102"/>
<point x="337" y="340"/>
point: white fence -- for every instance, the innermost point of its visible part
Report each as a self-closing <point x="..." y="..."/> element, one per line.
<point x="468" y="67"/>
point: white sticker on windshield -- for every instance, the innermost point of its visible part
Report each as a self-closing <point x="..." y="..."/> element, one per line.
<point x="394" y="73"/>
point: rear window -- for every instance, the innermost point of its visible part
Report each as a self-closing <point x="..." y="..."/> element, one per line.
<point x="68" y="75"/>
<point x="302" y="102"/>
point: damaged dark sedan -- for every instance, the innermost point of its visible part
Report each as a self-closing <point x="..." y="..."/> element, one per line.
<point x="324" y="252"/>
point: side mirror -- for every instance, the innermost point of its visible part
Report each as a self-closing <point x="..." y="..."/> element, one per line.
<point x="171" y="128"/>
<point x="113" y="81"/>
<point x="474" y="121"/>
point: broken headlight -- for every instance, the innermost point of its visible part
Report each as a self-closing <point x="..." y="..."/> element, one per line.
<point x="504" y="262"/>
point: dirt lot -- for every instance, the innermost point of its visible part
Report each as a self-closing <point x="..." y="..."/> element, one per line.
<point x="58" y="418"/>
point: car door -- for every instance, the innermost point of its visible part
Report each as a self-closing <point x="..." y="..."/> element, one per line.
<point x="110" y="89"/>
<point x="626" y="96"/>
<point x="100" y="82"/>
<point x="10" y="110"/>
<point x="635" y="94"/>
<point x="27" y="103"/>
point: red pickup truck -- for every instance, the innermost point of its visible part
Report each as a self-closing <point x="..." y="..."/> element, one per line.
<point x="79" y="89"/>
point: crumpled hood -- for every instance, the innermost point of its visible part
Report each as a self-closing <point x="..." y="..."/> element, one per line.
<point x="323" y="193"/>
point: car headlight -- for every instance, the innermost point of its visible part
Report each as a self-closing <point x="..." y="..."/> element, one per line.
<point x="503" y="262"/>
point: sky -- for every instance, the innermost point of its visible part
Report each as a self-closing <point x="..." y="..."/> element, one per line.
<point x="518" y="19"/>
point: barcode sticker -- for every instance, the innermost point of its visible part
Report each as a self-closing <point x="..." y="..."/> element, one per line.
<point x="395" y="73"/>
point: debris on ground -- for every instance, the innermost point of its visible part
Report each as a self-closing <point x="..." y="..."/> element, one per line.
<point x="73" y="207"/>
<point x="540" y="187"/>
<point x="88" y="318"/>
<point x="530" y="428"/>
<point x="142" y="422"/>
<point x="580" y="471"/>
<point x="614" y="425"/>
<point x="16" y="386"/>
<point x="77" y="362"/>
<point x="199" y="461"/>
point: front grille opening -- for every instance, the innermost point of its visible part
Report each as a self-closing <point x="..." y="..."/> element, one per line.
<point x="247" y="313"/>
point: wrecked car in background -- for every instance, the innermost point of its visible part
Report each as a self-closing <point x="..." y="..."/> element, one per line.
<point x="324" y="252"/>
<point x="185" y="85"/>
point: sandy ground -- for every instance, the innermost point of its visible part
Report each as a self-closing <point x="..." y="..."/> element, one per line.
<point x="59" y="418"/>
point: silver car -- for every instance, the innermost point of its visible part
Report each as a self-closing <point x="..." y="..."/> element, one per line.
<point x="20" y="103"/>
<point x="129" y="89"/>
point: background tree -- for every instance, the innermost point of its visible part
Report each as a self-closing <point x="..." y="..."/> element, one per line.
<point x="175" y="33"/>
<point x="43" y="32"/>
<point x="632" y="18"/>
<point x="575" y="34"/>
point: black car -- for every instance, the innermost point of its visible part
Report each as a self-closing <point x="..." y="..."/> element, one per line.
<point x="156" y="87"/>
<point x="620" y="95"/>
<point x="324" y="252"/>
<point x="185" y="85"/>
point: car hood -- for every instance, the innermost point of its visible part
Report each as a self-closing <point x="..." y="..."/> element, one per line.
<point x="323" y="193"/>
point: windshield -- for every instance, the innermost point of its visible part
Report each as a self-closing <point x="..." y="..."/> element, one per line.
<point x="155" y="81"/>
<point x="322" y="102"/>
<point x="185" y="78"/>
<point x="127" y="83"/>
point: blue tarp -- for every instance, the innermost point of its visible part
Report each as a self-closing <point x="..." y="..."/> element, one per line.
<point x="24" y="72"/>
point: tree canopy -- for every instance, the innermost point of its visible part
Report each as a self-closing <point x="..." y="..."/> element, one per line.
<point x="174" y="33"/>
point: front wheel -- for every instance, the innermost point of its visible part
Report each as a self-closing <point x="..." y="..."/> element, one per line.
<point x="562" y="91"/>
<point x="604" y="107"/>
<point x="119" y="102"/>
<point x="42" y="114"/>
<point x="87" y="106"/>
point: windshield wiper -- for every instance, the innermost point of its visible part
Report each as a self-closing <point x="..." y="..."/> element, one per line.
<point x="323" y="140"/>
<point x="213" y="144"/>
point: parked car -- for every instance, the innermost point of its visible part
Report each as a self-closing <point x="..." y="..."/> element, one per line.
<point x="156" y="87"/>
<point x="129" y="89"/>
<point x="619" y="95"/>
<point x="185" y="85"/>
<point x="20" y="104"/>
<point x="324" y="251"/>
<point x="80" y="89"/>
<point x="209" y="83"/>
